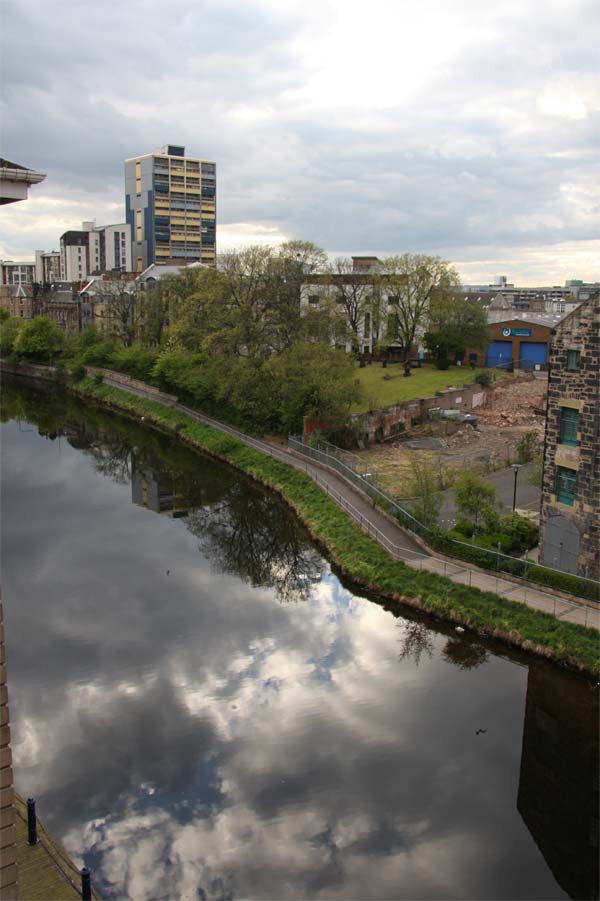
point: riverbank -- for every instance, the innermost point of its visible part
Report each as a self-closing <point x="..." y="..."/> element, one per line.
<point x="358" y="556"/>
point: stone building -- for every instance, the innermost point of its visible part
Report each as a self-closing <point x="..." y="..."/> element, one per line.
<point x="570" y="512"/>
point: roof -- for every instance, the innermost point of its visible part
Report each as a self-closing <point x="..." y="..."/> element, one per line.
<point x="550" y="320"/>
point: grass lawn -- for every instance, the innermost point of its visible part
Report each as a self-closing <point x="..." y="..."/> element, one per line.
<point x="379" y="392"/>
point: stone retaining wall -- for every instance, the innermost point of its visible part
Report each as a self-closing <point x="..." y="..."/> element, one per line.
<point x="122" y="379"/>
<point x="387" y="422"/>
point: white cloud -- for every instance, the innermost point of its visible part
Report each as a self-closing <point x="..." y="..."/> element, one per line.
<point x="407" y="125"/>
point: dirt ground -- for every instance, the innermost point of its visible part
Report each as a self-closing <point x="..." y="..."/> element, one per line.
<point x="515" y="408"/>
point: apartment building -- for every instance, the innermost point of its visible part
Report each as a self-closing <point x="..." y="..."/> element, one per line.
<point x="170" y="206"/>
<point x="94" y="249"/>
<point x="17" y="272"/>
<point x="570" y="512"/>
<point x="47" y="267"/>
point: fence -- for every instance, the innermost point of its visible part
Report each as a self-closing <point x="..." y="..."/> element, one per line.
<point x="353" y="469"/>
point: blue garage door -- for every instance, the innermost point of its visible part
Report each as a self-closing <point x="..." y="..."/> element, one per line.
<point x="499" y="353"/>
<point x="533" y="353"/>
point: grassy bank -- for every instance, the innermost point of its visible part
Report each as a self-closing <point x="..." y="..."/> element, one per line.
<point x="382" y="387"/>
<point x="360" y="557"/>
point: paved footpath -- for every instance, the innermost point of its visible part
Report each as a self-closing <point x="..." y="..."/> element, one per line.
<point x="392" y="537"/>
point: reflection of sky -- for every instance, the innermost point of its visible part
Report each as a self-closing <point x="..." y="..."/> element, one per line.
<point x="188" y="736"/>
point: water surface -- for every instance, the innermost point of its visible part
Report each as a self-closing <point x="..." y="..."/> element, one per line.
<point x="203" y="710"/>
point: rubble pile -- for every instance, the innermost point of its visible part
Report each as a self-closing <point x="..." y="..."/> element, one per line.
<point x="516" y="403"/>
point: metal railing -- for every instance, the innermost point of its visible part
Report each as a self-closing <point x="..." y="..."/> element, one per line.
<point x="410" y="557"/>
<point x="484" y="557"/>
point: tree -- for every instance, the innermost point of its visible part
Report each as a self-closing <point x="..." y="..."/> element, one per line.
<point x="454" y="326"/>
<point x="474" y="498"/>
<point x="426" y="500"/>
<point x="353" y="293"/>
<point x="409" y="282"/>
<point x="311" y="379"/>
<point x="10" y="327"/>
<point x="40" y="339"/>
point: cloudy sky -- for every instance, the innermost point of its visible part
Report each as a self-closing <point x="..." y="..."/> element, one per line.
<point x="454" y="127"/>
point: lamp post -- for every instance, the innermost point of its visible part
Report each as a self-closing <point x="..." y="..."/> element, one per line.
<point x="516" y="467"/>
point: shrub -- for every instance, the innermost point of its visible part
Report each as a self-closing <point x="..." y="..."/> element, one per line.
<point x="77" y="372"/>
<point x="528" y="447"/>
<point x="40" y="339"/>
<point x="485" y="378"/>
<point x="98" y="378"/>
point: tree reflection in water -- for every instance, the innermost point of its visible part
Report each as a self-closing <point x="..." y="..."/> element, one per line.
<point x="415" y="640"/>
<point x="464" y="654"/>
<point x="241" y="528"/>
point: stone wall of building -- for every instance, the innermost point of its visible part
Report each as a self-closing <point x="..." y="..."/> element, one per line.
<point x="570" y="531"/>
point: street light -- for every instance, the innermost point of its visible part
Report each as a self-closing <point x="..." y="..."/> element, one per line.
<point x="516" y="467"/>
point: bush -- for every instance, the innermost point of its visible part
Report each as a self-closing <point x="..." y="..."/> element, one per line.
<point x="77" y="372"/>
<point x="98" y="378"/>
<point x="485" y="378"/>
<point x="40" y="339"/>
<point x="137" y="361"/>
<point x="528" y="447"/>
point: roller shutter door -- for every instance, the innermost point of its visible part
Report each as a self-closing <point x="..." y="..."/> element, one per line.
<point x="499" y="353"/>
<point x="533" y="353"/>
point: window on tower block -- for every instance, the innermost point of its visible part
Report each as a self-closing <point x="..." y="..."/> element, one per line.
<point x="569" y="424"/>
<point x="565" y="485"/>
<point x="573" y="360"/>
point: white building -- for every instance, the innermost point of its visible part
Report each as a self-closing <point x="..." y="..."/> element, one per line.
<point x="47" y="266"/>
<point x="94" y="249"/>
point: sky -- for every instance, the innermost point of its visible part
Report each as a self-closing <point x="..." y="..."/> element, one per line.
<point x="457" y="128"/>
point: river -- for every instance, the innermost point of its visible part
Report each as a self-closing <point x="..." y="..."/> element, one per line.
<point x="203" y="709"/>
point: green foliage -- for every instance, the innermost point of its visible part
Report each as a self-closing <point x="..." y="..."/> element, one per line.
<point x="98" y="378"/>
<point x="9" y="330"/>
<point x="455" y="326"/>
<point x="426" y="500"/>
<point x="536" y="475"/>
<point x="485" y="378"/>
<point x="77" y="372"/>
<point x="309" y="380"/>
<point x="4" y="314"/>
<point x="475" y="499"/>
<point x="136" y="360"/>
<point x="40" y="339"/>
<point x="528" y="447"/>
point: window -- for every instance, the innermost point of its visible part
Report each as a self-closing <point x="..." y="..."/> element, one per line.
<point x="367" y="326"/>
<point x="569" y="423"/>
<point x="573" y="360"/>
<point x="565" y="485"/>
<point x="313" y="299"/>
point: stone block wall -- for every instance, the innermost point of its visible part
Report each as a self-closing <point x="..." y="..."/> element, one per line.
<point x="578" y="390"/>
